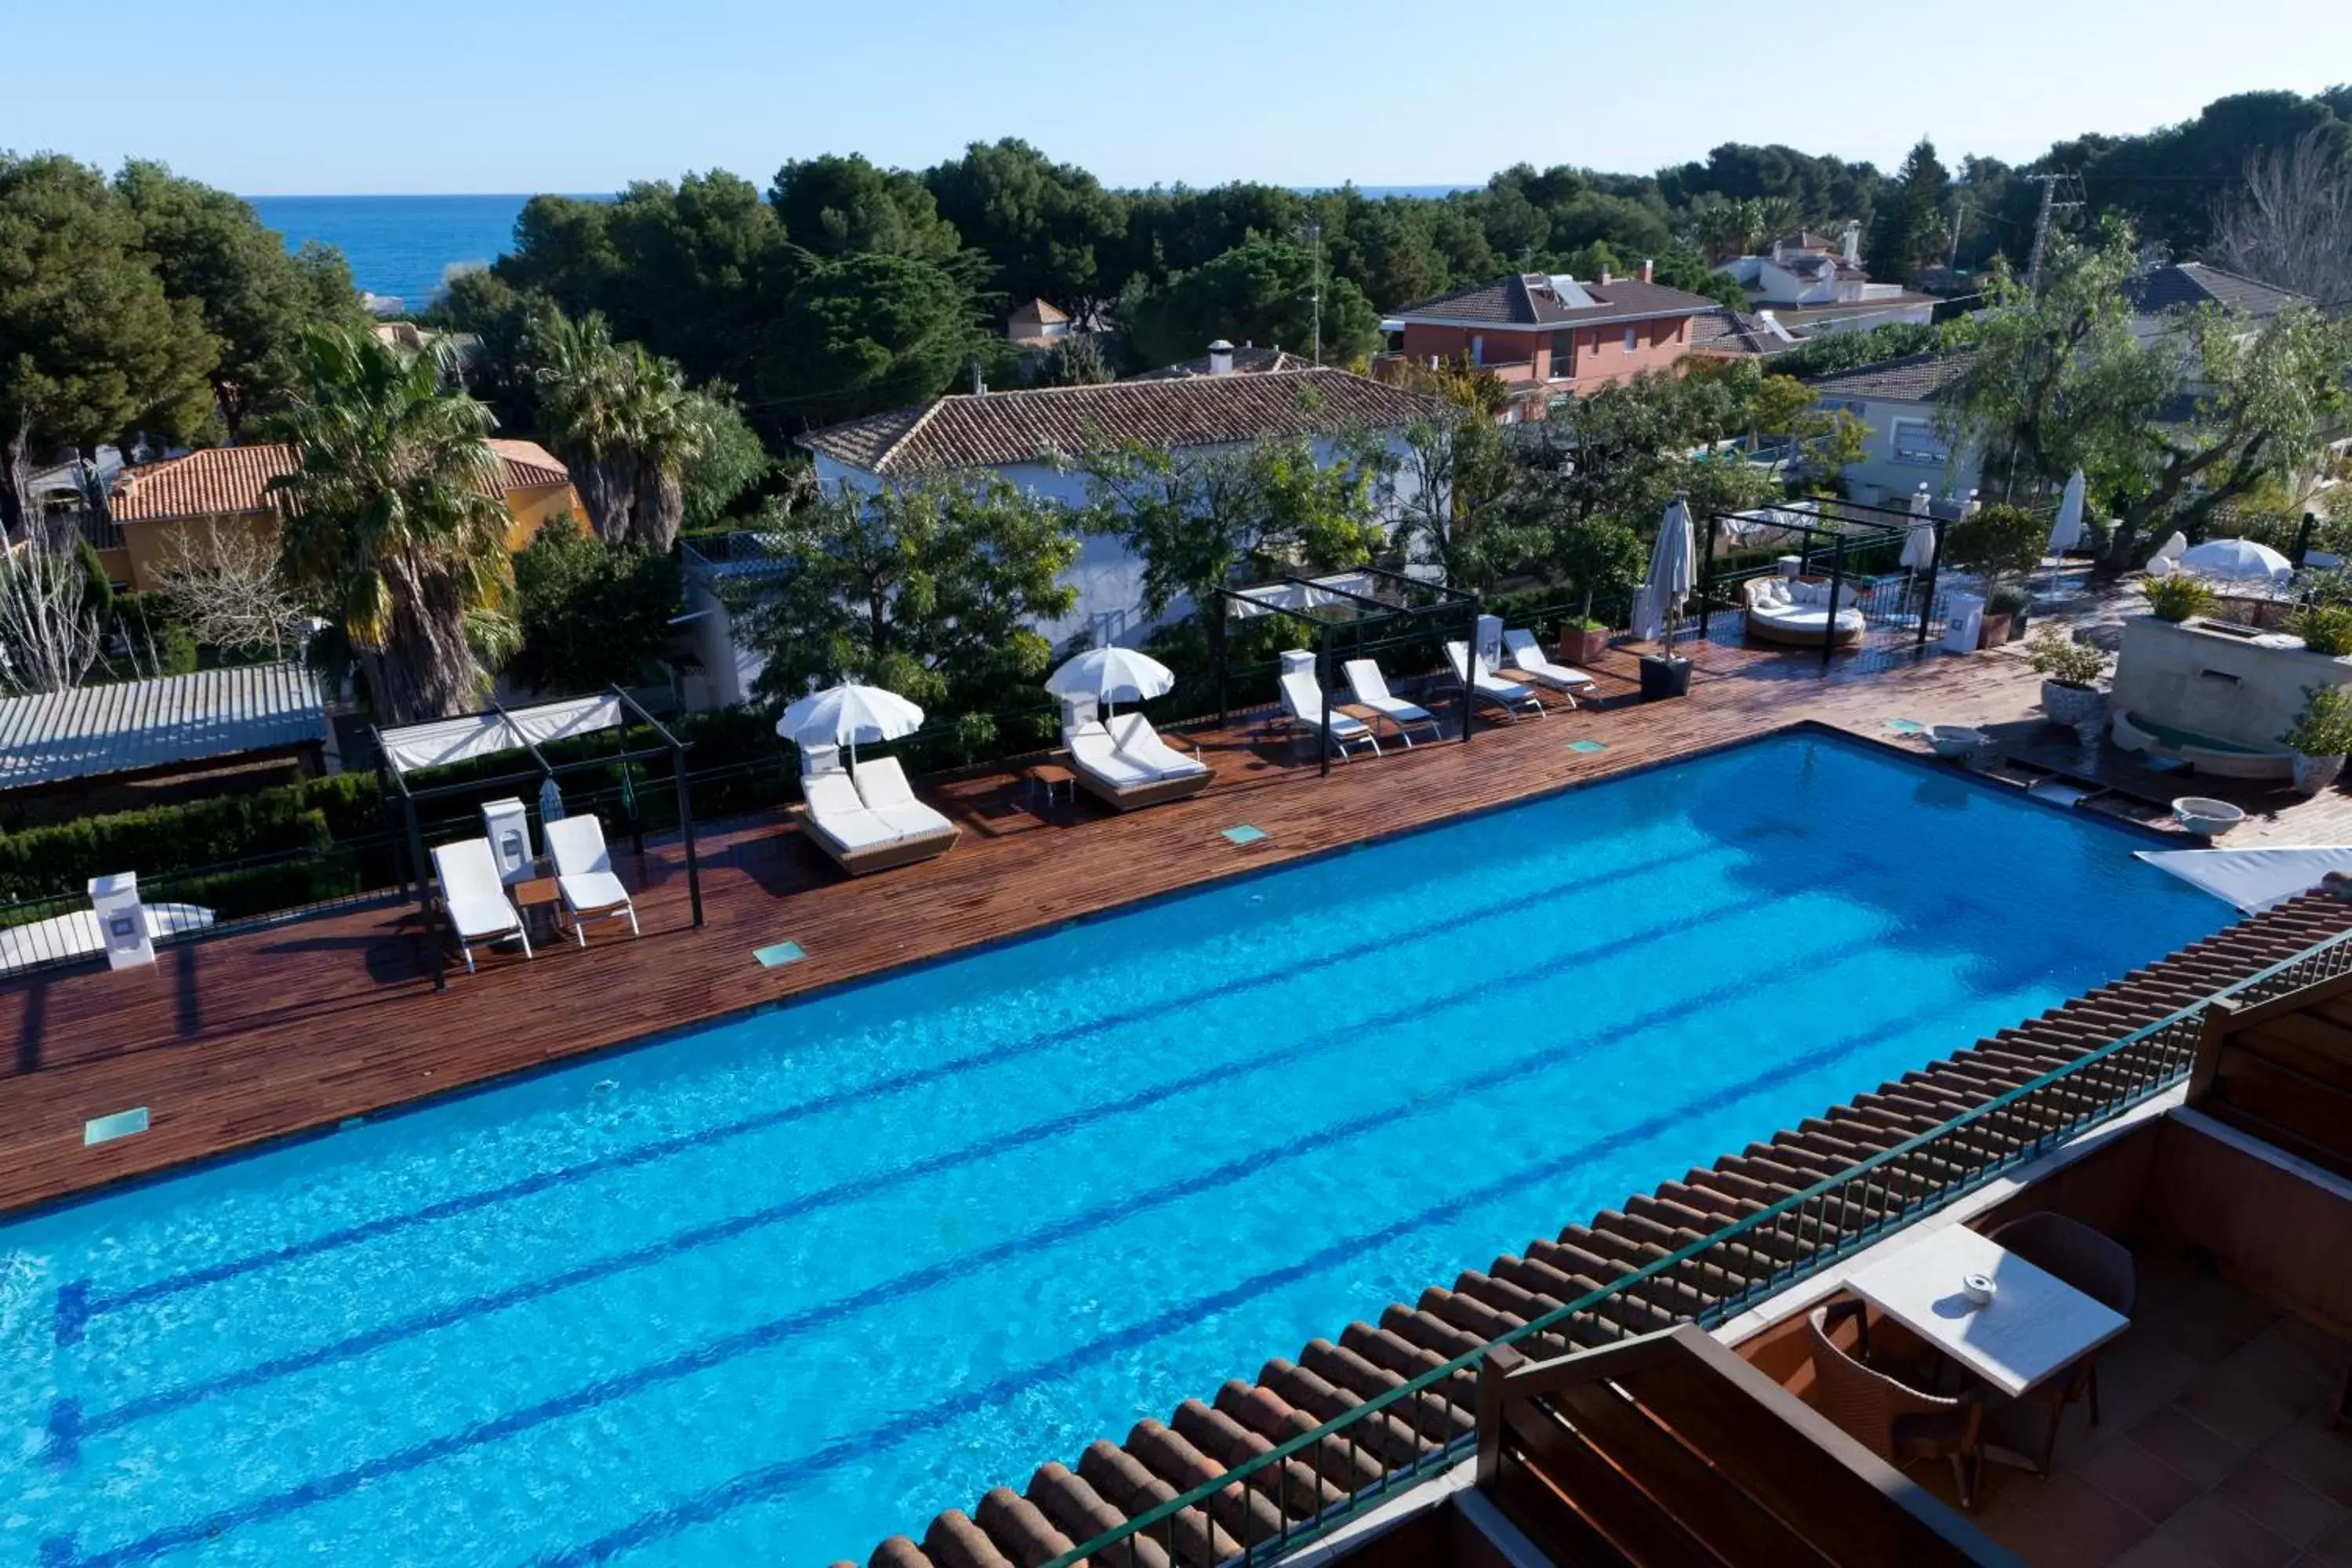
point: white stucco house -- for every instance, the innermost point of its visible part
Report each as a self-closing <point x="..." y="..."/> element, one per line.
<point x="1812" y="284"/>
<point x="1896" y="399"/>
<point x="1031" y="438"/>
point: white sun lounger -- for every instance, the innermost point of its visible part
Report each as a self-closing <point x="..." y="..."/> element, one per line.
<point x="1509" y="695"/>
<point x="882" y="786"/>
<point x="1303" y="700"/>
<point x="474" y="898"/>
<point x="1370" y="688"/>
<point x="583" y="875"/>
<point x="840" y="821"/>
<point x="1124" y="763"/>
<point x="1528" y="657"/>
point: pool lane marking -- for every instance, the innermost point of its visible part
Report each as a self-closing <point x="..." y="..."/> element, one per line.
<point x="753" y="1485"/>
<point x="67" y="1428"/>
<point x="78" y="1302"/>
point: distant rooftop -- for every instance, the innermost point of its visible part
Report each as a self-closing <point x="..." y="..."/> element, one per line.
<point x="1914" y="378"/>
<point x="229" y="479"/>
<point x="979" y="430"/>
<point x="1545" y="299"/>
<point x="136" y="726"/>
<point x="2186" y="285"/>
<point x="1247" y="361"/>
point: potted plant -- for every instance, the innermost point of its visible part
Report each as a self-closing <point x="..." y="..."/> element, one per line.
<point x="1996" y="543"/>
<point x="2006" y="609"/>
<point x="2070" y="672"/>
<point x="2325" y="630"/>
<point x="1596" y="555"/>
<point x="2320" y="737"/>
<point x="2176" y="597"/>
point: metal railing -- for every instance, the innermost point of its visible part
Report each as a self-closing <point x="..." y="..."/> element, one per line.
<point x="1276" y="1500"/>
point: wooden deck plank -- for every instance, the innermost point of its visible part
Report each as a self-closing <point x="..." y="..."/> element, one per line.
<point x="254" y="1036"/>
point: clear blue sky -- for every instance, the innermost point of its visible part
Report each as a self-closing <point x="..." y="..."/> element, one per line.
<point x="315" y="96"/>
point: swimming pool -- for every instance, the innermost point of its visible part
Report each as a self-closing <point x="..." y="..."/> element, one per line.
<point x="773" y="1289"/>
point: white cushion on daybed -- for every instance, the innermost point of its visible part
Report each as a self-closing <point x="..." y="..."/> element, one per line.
<point x="1092" y="749"/>
<point x="1140" y="744"/>
<point x="835" y="807"/>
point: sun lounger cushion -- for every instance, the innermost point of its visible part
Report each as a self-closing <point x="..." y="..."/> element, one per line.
<point x="1093" y="752"/>
<point x="882" y="784"/>
<point x="1140" y="744"/>
<point x="1371" y="688"/>
<point x="835" y="807"/>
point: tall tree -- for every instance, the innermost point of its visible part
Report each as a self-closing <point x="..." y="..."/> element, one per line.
<point x="1046" y="226"/>
<point x="210" y="248"/>
<point x="1260" y="291"/>
<point x="2289" y="221"/>
<point x="590" y="616"/>
<point x="93" y="348"/>
<point x="625" y="424"/>
<point x="868" y="332"/>
<point x="933" y="590"/>
<point x="833" y="207"/>
<point x="1909" y="231"/>
<point x="392" y="519"/>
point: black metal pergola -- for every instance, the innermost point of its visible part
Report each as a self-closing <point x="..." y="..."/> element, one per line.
<point x="1296" y="598"/>
<point x="1838" y="536"/>
<point x="441" y="742"/>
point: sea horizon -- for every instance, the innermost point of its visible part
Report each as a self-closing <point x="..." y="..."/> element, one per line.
<point x="403" y="247"/>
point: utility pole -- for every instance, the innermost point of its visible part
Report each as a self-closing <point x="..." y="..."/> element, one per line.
<point x="1315" y="233"/>
<point x="2049" y="204"/>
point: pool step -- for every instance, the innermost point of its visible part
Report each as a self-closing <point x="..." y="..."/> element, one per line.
<point x="1064" y="1507"/>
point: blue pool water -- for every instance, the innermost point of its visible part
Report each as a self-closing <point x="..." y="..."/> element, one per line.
<point x="772" y="1290"/>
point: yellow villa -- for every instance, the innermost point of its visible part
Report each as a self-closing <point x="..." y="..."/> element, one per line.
<point x="229" y="487"/>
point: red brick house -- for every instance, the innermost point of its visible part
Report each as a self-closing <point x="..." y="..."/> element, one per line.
<point x="1549" y="336"/>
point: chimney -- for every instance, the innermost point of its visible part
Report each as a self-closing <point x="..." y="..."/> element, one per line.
<point x="1221" y="358"/>
<point x="1649" y="269"/>
<point x="1853" y="247"/>
<point x="1604" y="278"/>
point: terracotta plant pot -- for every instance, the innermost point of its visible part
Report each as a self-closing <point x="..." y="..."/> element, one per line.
<point x="2313" y="774"/>
<point x="1578" y="646"/>
<point x="1994" y="631"/>
<point x="2071" y="705"/>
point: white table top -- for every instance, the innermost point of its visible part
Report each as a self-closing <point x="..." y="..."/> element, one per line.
<point x="2036" y="1324"/>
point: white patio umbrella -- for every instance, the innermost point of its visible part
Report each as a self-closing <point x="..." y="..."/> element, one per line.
<point x="1919" y="534"/>
<point x="551" y="800"/>
<point x="1111" y="674"/>
<point x="2237" y="561"/>
<point x="847" y="714"/>
<point x="71" y="935"/>
<point x="1670" y="580"/>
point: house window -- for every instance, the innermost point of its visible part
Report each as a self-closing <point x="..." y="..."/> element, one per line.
<point x="1632" y="339"/>
<point x="1563" y="355"/>
<point x="1917" y="442"/>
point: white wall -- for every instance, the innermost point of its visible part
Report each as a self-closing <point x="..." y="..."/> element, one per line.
<point x="1896" y="466"/>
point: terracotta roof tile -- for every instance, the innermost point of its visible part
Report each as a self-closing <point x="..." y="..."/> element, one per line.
<point x="992" y="429"/>
<point x="1247" y="361"/>
<point x="228" y="480"/>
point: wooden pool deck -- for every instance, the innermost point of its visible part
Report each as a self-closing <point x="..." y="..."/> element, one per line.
<point x="232" y="1042"/>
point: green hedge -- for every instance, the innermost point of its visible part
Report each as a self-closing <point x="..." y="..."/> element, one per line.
<point x="39" y="861"/>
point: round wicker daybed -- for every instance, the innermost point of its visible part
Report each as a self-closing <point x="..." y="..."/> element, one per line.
<point x="1795" y="611"/>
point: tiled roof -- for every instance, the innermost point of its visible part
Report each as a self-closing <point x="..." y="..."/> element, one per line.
<point x="1040" y="312"/>
<point x="1804" y="239"/>
<point x="1734" y="335"/>
<point x="228" y="480"/>
<point x="2188" y="284"/>
<point x="1066" y="1506"/>
<point x="132" y="725"/>
<point x="994" y="428"/>
<point x="1915" y="378"/>
<point x="1247" y="361"/>
<point x="1531" y="300"/>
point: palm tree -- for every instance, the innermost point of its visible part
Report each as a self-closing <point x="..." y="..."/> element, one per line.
<point x="625" y="423"/>
<point x="392" y="519"/>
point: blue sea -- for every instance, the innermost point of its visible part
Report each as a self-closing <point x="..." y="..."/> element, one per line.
<point x="404" y="248"/>
<point x="768" y="1290"/>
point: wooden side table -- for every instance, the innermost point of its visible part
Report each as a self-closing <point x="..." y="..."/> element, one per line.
<point x="540" y="899"/>
<point x="1051" y="777"/>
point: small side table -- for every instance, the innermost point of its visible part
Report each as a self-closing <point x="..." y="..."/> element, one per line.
<point x="540" y="899"/>
<point x="1051" y="777"/>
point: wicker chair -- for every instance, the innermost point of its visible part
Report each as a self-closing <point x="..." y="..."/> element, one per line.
<point x="1892" y="1419"/>
<point x="2097" y="1265"/>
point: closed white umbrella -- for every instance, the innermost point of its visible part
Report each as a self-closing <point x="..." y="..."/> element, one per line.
<point x="847" y="714"/>
<point x="1111" y="675"/>
<point x="1919" y="534"/>
<point x="1670" y="579"/>
<point x="2066" y="528"/>
<point x="2237" y="561"/>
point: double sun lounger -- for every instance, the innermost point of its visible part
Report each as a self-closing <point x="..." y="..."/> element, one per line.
<point x="1123" y="762"/>
<point x="869" y="820"/>
<point x="475" y="898"/>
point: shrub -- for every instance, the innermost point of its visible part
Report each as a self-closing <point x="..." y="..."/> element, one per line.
<point x="2059" y="657"/>
<point x="2175" y="598"/>
<point x="2324" y="729"/>
<point x="2325" y="628"/>
<point x="2008" y="600"/>
<point x="1997" y="541"/>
